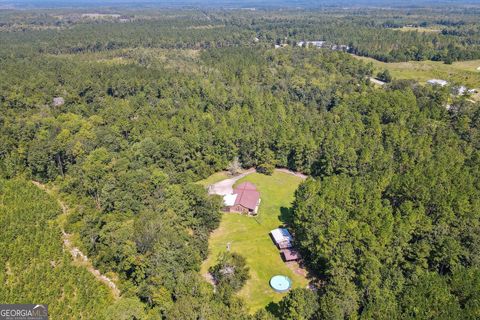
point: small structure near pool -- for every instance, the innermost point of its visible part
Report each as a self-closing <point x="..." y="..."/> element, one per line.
<point x="280" y="283"/>
<point x="284" y="241"/>
<point x="290" y="255"/>
<point x="282" y="238"/>
<point x="244" y="199"/>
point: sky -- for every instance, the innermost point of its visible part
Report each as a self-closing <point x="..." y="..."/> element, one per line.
<point x="228" y="3"/>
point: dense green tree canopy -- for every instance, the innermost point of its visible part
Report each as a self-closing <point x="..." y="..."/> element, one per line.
<point x="157" y="101"/>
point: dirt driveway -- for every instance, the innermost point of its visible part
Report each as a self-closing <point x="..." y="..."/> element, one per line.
<point x="226" y="186"/>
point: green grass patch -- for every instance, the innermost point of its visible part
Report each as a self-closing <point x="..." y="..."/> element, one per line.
<point x="250" y="237"/>
<point x="419" y="29"/>
<point x="461" y="72"/>
<point x="216" y="177"/>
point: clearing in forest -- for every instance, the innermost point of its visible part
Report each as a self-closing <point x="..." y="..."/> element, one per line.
<point x="249" y="236"/>
<point x="460" y="72"/>
<point x="420" y="29"/>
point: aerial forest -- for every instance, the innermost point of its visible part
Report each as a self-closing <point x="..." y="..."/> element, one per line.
<point x="122" y="118"/>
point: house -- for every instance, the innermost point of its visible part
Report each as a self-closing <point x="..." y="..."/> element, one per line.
<point x="290" y="255"/>
<point x="437" y="82"/>
<point x="341" y="47"/>
<point x="244" y="199"/>
<point x="58" y="101"/>
<point x="460" y="90"/>
<point x="282" y="238"/>
<point x="318" y="44"/>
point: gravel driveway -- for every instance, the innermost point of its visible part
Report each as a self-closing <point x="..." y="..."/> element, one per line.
<point x="226" y="186"/>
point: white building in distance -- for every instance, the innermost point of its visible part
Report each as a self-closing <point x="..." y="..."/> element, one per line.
<point x="437" y="82"/>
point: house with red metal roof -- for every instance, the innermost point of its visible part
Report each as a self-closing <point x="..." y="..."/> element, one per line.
<point x="244" y="199"/>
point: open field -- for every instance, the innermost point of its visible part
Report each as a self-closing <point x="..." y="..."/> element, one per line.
<point x="419" y="29"/>
<point x="250" y="237"/>
<point x="462" y="72"/>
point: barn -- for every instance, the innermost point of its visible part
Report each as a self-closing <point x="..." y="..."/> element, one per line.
<point x="244" y="199"/>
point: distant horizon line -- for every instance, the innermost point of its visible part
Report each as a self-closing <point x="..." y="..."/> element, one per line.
<point x="233" y="4"/>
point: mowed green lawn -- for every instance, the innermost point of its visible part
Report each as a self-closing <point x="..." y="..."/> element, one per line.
<point x="216" y="177"/>
<point x="250" y="237"/>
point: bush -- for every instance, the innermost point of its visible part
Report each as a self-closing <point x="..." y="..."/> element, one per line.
<point x="265" y="168"/>
<point x="384" y="76"/>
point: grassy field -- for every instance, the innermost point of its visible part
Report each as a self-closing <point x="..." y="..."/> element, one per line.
<point x="216" y="177"/>
<point x="462" y="72"/>
<point x="419" y="29"/>
<point x="250" y="237"/>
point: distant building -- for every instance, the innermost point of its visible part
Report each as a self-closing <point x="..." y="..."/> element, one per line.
<point x="323" y="44"/>
<point x="460" y="90"/>
<point x="244" y="199"/>
<point x="282" y="238"/>
<point x="437" y="82"/>
<point x="342" y="47"/>
<point x="58" y="101"/>
<point x="318" y="44"/>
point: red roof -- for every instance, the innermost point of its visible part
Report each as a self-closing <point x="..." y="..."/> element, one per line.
<point x="247" y="195"/>
<point x="290" y="254"/>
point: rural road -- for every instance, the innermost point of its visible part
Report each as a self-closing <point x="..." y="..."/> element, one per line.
<point x="226" y="186"/>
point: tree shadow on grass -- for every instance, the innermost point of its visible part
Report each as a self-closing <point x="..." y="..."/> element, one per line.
<point x="286" y="215"/>
<point x="274" y="309"/>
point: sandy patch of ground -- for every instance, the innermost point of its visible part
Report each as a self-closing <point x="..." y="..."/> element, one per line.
<point x="297" y="174"/>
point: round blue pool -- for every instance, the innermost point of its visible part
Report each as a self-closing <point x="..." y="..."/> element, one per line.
<point x="280" y="283"/>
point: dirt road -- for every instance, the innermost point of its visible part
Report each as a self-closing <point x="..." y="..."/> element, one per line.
<point x="78" y="256"/>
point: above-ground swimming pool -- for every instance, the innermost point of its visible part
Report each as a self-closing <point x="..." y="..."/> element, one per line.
<point x="280" y="283"/>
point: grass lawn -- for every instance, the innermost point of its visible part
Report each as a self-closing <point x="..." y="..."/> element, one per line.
<point x="216" y="177"/>
<point x="461" y="72"/>
<point x="250" y="237"/>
